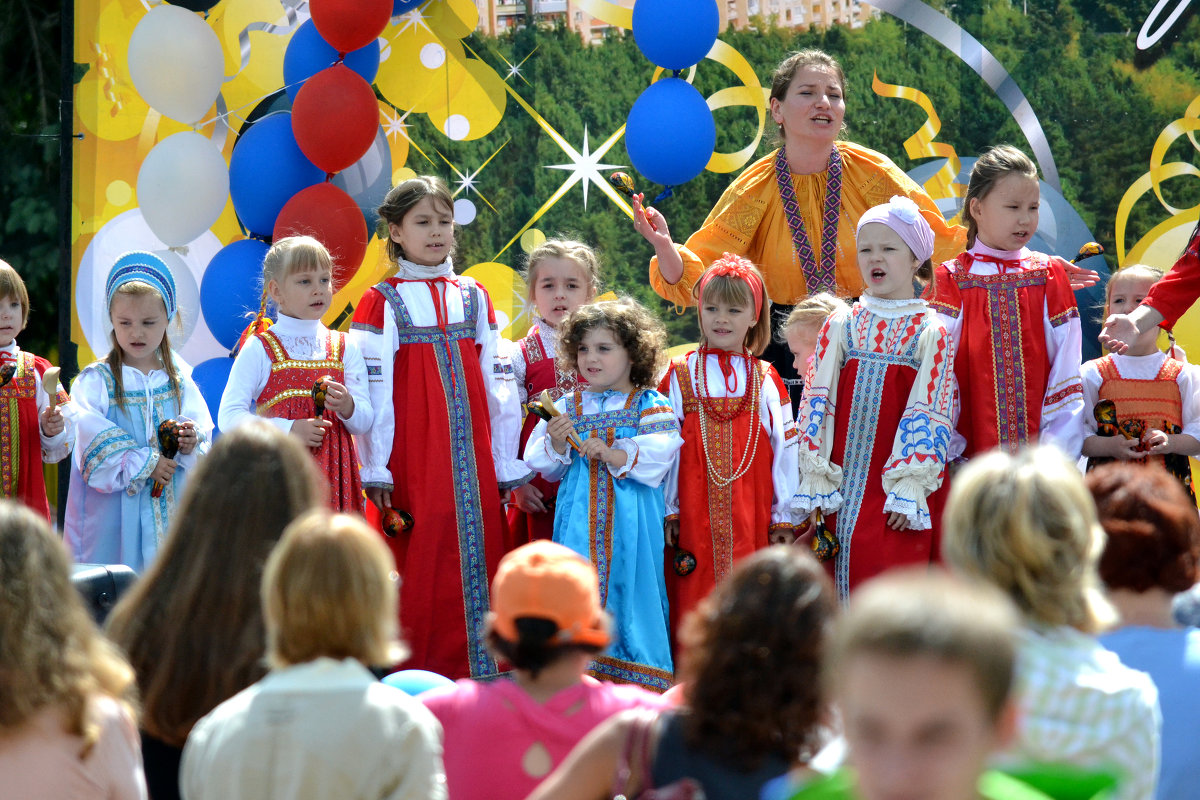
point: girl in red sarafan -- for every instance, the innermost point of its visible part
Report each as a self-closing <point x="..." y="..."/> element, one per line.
<point x="561" y="275"/>
<point x="277" y="367"/>
<point x="443" y="445"/>
<point x="730" y="491"/>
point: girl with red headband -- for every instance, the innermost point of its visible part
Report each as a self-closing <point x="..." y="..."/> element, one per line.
<point x="730" y="492"/>
<point x="877" y="413"/>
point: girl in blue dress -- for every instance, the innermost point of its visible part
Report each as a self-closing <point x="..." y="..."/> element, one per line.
<point x="612" y="447"/>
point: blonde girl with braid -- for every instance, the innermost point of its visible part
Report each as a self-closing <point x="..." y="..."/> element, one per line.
<point x="278" y="368"/>
<point x="124" y="487"/>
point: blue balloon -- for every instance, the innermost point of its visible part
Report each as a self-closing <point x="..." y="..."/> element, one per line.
<point x="415" y="681"/>
<point x="231" y="291"/>
<point x="404" y="6"/>
<point x="266" y="170"/>
<point x="675" y="34"/>
<point x="211" y="376"/>
<point x="670" y="134"/>
<point x="307" y="54"/>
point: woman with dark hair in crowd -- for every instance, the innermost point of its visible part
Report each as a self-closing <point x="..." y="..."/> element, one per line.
<point x="192" y="626"/>
<point x="1151" y="554"/>
<point x="751" y="667"/>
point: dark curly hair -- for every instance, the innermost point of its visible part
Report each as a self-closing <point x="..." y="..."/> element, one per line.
<point x="1153" y="531"/>
<point x="752" y="660"/>
<point x="635" y="328"/>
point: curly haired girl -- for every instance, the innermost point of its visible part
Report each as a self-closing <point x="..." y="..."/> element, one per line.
<point x="612" y="446"/>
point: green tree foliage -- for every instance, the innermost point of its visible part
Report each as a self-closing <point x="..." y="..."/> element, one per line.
<point x="29" y="168"/>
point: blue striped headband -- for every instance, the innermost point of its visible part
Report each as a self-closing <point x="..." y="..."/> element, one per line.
<point x="148" y="268"/>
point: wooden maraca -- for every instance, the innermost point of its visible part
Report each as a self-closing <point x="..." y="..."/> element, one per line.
<point x="7" y="370"/>
<point x="320" y="391"/>
<point x="1087" y="251"/>
<point x="168" y="445"/>
<point x="624" y="184"/>
<point x="50" y="386"/>
<point x="544" y="408"/>
<point x="396" y="522"/>
<point x="824" y="544"/>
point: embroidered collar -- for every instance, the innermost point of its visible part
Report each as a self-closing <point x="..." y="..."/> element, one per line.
<point x="820" y="277"/>
<point x="891" y="309"/>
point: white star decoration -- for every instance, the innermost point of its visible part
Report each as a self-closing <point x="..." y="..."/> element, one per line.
<point x="394" y="125"/>
<point x="412" y="19"/>
<point x="586" y="166"/>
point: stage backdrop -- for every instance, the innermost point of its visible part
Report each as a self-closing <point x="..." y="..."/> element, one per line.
<point x="206" y="128"/>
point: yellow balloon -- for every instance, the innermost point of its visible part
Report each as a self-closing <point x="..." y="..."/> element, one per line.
<point x="508" y="292"/>
<point x="451" y="19"/>
<point x="414" y="72"/>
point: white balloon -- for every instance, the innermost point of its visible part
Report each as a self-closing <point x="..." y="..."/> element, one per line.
<point x="182" y="187"/>
<point x="176" y="63"/>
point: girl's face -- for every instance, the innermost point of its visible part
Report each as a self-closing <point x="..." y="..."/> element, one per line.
<point x="886" y="263"/>
<point x="725" y="325"/>
<point x="303" y="294"/>
<point x="12" y="319"/>
<point x="1125" y="293"/>
<point x="802" y="341"/>
<point x="560" y="286"/>
<point x="139" y="322"/>
<point x="812" y="107"/>
<point x="603" y="361"/>
<point x="1006" y="218"/>
<point x="426" y="232"/>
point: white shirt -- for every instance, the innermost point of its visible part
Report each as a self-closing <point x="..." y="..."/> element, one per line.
<point x="54" y="448"/>
<point x="322" y="730"/>
<point x="1144" y="368"/>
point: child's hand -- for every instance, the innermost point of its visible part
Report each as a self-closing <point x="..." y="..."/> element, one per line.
<point x="595" y="448"/>
<point x="188" y="437"/>
<point x="339" y="400"/>
<point x="559" y="430"/>
<point x="311" y="431"/>
<point x="671" y="532"/>
<point x="782" y="535"/>
<point x="1119" y="333"/>
<point x="1157" y="442"/>
<point x="651" y="224"/>
<point x="897" y="521"/>
<point x="528" y="498"/>
<point x="1117" y="447"/>
<point x="163" y="470"/>
<point x="53" y="423"/>
<point x="380" y="498"/>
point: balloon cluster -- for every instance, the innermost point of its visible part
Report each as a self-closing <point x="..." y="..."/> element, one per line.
<point x="670" y="133"/>
<point x="298" y="165"/>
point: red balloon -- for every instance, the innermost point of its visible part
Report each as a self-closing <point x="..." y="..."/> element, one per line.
<point x="330" y="216"/>
<point x="350" y="24"/>
<point x="335" y="117"/>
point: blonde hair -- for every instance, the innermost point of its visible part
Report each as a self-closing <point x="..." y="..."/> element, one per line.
<point x="328" y="590"/>
<point x="568" y="250"/>
<point x="1027" y="524"/>
<point x="735" y="291"/>
<point x="52" y="654"/>
<point x="401" y="199"/>
<point x="813" y="311"/>
<point x="11" y="285"/>
<point x="918" y="613"/>
<point x="995" y="163"/>
<point x="632" y="325"/>
<point x="116" y="357"/>
<point x="1152" y="274"/>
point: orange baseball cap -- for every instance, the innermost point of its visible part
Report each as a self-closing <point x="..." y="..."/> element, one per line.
<point x="546" y="580"/>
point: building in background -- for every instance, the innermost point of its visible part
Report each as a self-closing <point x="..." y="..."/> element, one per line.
<point x="499" y="16"/>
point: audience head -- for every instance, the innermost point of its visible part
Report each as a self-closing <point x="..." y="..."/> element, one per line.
<point x="330" y="589"/>
<point x="1152" y="528"/>
<point x="50" y="651"/>
<point x="921" y="666"/>
<point x="752" y="659"/>
<point x="193" y="625"/>
<point x="545" y="608"/>
<point x="1027" y="524"/>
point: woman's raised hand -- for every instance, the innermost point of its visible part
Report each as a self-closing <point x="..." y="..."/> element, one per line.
<point x="651" y="224"/>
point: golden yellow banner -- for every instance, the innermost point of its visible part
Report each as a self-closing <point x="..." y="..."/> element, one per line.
<point x="921" y="144"/>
